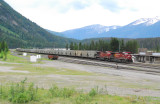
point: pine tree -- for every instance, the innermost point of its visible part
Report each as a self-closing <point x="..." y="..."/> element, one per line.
<point x="0" y="47"/>
<point x="71" y="46"/>
<point x="67" y="46"/>
<point x="75" y="46"/>
<point x="122" y="45"/>
<point x="92" y="45"/>
<point x="132" y="46"/>
<point x="80" y="46"/>
<point x="157" y="48"/>
<point x="114" y="44"/>
<point x="3" y="50"/>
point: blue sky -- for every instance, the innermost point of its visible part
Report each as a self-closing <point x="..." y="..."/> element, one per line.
<point x="61" y="15"/>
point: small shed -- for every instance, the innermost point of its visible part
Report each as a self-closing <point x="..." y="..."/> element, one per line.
<point x="24" y="54"/>
<point x="33" y="58"/>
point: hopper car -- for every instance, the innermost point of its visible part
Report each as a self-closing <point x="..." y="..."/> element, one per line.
<point x="107" y="55"/>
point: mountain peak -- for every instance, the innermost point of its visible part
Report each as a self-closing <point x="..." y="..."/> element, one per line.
<point x="146" y="21"/>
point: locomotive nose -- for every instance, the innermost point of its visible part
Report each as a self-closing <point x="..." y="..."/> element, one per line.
<point x="129" y="57"/>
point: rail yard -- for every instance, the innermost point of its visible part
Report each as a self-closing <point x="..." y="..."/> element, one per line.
<point x="110" y="77"/>
<point x="121" y="60"/>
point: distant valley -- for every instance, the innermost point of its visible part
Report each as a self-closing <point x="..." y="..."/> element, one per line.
<point x="19" y="31"/>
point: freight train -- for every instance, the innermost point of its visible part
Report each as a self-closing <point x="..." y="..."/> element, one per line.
<point x="107" y="55"/>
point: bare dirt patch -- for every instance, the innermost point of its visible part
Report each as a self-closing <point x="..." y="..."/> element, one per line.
<point x="119" y="82"/>
<point x="9" y="69"/>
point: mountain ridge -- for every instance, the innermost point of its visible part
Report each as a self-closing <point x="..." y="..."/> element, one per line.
<point x="90" y="31"/>
<point x="141" y="28"/>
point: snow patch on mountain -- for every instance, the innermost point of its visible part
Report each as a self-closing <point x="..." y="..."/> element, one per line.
<point x="100" y="28"/>
<point x="146" y="21"/>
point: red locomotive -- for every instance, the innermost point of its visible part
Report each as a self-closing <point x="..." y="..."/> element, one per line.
<point x="114" y="56"/>
<point x="103" y="55"/>
<point x="122" y="57"/>
<point x="53" y="57"/>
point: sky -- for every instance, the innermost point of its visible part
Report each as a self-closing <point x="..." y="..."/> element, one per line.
<point x="61" y="15"/>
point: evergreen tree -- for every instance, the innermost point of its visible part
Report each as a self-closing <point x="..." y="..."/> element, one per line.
<point x="0" y="47"/>
<point x="157" y="48"/>
<point x="75" y="46"/>
<point x="114" y="44"/>
<point x="3" y="50"/>
<point x="122" y="46"/>
<point x="132" y="46"/>
<point x="80" y="46"/>
<point x="92" y="45"/>
<point x="67" y="46"/>
<point x="106" y="46"/>
<point x="71" y="46"/>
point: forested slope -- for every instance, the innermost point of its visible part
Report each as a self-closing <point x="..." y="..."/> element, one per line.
<point x="19" y="31"/>
<point x="150" y="43"/>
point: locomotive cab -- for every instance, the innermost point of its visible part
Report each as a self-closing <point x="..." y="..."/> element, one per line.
<point x="127" y="56"/>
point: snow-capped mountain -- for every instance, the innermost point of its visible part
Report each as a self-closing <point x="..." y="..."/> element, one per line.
<point x="146" y="21"/>
<point x="141" y="28"/>
<point x="90" y="31"/>
<point x="100" y="28"/>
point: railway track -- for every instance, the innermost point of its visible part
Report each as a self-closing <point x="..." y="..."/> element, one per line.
<point x="149" y="69"/>
<point x="144" y="65"/>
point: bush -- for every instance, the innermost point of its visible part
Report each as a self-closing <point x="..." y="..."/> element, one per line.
<point x="19" y="93"/>
<point x="1" y="54"/>
<point x="82" y="98"/>
<point x="61" y="92"/>
<point x="93" y="92"/>
<point x="21" y="98"/>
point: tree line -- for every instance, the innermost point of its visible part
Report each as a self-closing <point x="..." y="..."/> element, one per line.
<point x="114" y="45"/>
<point x="3" y="50"/>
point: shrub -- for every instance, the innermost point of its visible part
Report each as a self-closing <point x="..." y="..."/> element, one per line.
<point x="93" y="92"/>
<point x="61" y="92"/>
<point x="21" y="98"/>
<point x="82" y="98"/>
<point x="19" y="93"/>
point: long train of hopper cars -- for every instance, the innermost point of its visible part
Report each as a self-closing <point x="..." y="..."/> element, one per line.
<point x="107" y="55"/>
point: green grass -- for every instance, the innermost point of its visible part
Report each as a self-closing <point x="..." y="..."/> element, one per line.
<point x="50" y="70"/>
<point x="36" y="70"/>
<point x="15" y="59"/>
<point x="28" y="93"/>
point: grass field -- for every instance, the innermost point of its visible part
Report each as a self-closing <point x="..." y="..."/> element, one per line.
<point x="14" y="88"/>
<point x="23" y="92"/>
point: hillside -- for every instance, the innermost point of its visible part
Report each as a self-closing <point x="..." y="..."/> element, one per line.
<point x="141" y="28"/>
<point x="19" y="31"/>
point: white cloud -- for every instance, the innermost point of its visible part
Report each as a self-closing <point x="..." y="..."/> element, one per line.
<point x="60" y="15"/>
